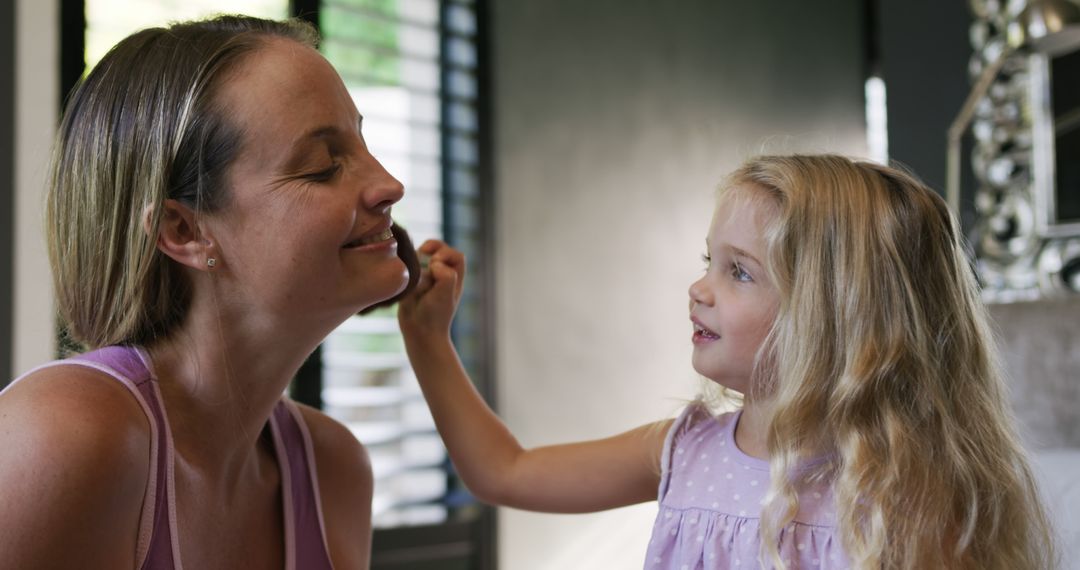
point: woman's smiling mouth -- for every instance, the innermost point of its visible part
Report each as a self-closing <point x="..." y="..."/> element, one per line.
<point x="371" y="239"/>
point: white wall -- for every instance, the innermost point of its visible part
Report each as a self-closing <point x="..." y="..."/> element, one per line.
<point x="36" y="102"/>
<point x="615" y="121"/>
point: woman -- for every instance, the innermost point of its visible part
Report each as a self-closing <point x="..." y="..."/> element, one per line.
<point x="213" y="214"/>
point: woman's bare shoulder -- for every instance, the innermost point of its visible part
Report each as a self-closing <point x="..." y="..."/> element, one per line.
<point x="58" y="399"/>
<point x="337" y="451"/>
<point x="345" y="488"/>
<point x="74" y="469"/>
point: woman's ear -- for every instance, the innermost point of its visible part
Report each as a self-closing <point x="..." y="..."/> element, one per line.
<point x="180" y="237"/>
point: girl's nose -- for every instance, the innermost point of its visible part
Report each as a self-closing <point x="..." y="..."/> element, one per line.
<point x="700" y="293"/>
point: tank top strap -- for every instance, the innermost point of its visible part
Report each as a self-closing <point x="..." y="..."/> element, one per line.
<point x="156" y="545"/>
<point x="305" y="530"/>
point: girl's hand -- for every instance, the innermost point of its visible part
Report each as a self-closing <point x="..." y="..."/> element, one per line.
<point x="430" y="307"/>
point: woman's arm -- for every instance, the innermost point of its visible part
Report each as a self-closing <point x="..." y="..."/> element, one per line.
<point x="73" y="471"/>
<point x="578" y="477"/>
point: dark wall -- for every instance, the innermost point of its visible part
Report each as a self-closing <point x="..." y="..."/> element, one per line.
<point x="7" y="182"/>
<point x="923" y="52"/>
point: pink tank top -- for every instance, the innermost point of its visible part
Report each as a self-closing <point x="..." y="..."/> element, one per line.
<point x="158" y="547"/>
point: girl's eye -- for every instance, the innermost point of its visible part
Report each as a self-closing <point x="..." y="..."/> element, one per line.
<point x="324" y="175"/>
<point x="706" y="260"/>
<point x="739" y="274"/>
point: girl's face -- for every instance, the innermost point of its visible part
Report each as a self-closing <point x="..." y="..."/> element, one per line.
<point x="733" y="305"/>
<point x="305" y="229"/>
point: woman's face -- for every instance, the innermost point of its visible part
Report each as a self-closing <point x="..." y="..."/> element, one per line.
<point x="733" y="305"/>
<point x="305" y="228"/>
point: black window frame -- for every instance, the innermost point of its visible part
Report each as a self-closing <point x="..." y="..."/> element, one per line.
<point x="7" y="199"/>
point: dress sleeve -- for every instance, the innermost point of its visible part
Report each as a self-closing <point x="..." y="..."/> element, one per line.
<point x="693" y="413"/>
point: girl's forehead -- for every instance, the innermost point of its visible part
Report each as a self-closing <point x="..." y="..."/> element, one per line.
<point x="743" y="204"/>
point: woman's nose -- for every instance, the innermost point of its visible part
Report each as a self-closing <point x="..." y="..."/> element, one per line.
<point x="383" y="189"/>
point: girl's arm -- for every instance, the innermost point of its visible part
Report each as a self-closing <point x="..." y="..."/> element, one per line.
<point x="578" y="477"/>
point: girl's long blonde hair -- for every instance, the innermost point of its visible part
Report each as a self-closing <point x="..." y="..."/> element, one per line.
<point x="881" y="360"/>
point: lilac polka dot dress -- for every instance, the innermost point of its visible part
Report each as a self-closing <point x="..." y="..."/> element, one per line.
<point x="710" y="505"/>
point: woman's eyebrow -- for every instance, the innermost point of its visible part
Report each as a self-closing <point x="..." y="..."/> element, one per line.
<point x="324" y="131"/>
<point x="303" y="147"/>
<point x="318" y="133"/>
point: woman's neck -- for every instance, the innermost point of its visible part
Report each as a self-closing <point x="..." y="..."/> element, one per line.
<point x="220" y="378"/>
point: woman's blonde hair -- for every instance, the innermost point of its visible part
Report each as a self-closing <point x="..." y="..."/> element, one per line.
<point x="142" y="127"/>
<point x="882" y="361"/>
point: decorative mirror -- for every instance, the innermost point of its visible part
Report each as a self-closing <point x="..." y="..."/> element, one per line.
<point x="1024" y="113"/>
<point x="1055" y="118"/>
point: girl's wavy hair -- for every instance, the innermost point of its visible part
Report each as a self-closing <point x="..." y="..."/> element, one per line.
<point x="881" y="360"/>
<point x="142" y="127"/>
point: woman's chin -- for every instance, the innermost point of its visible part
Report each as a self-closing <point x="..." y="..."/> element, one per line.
<point x="395" y="285"/>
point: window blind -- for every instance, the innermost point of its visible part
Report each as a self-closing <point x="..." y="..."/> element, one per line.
<point x="410" y="66"/>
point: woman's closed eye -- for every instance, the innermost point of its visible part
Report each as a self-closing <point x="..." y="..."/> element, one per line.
<point x="324" y="175"/>
<point x="706" y="260"/>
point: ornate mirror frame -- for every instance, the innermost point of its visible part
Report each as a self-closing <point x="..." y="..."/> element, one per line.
<point x="1023" y="250"/>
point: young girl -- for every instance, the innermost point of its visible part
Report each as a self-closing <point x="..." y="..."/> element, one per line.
<point x="874" y="431"/>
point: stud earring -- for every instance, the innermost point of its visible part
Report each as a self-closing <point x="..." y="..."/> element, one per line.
<point x="211" y="262"/>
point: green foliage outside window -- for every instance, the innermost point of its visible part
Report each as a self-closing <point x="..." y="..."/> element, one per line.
<point x="360" y="37"/>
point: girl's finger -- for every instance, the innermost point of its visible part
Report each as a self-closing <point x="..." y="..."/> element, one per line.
<point x="431" y="246"/>
<point x="450" y="257"/>
<point x="445" y="280"/>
